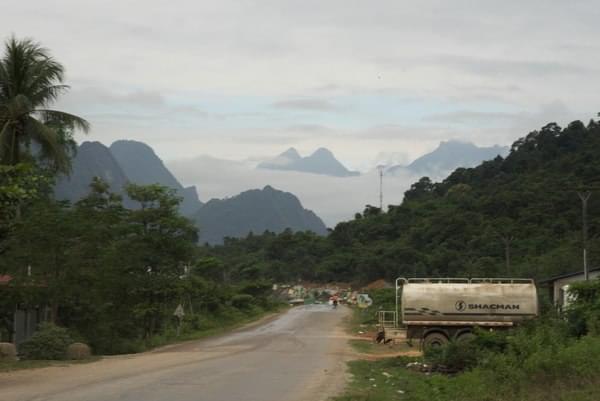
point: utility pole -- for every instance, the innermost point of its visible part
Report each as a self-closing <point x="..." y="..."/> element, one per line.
<point x="584" y="196"/>
<point x="507" y="239"/>
<point x="381" y="188"/>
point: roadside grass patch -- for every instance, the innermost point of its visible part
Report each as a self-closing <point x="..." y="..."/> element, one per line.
<point x="381" y="380"/>
<point x="536" y="363"/>
<point x="370" y="347"/>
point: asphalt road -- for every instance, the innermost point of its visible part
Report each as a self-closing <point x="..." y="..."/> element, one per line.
<point x="299" y="356"/>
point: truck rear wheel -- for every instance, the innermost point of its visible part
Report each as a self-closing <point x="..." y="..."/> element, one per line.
<point x="434" y="340"/>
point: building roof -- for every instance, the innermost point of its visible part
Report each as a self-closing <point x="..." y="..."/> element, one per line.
<point x="567" y="275"/>
<point x="5" y="278"/>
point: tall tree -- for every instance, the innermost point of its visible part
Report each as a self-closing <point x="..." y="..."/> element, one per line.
<point x="30" y="82"/>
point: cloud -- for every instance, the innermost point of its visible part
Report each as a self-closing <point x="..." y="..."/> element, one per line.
<point x="306" y="104"/>
<point x="505" y="67"/>
<point x="92" y="96"/>
<point x="240" y="78"/>
<point x="466" y="116"/>
<point x="333" y="198"/>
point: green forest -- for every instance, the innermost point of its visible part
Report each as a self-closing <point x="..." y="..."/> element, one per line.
<point x="518" y="216"/>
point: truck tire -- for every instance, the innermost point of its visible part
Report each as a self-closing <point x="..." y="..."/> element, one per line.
<point x="434" y="340"/>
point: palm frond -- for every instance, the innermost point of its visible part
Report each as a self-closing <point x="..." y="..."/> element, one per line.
<point x="48" y="94"/>
<point x="6" y="141"/>
<point x="29" y="68"/>
<point x="49" y="143"/>
<point x="17" y="107"/>
<point x="46" y="77"/>
<point x="62" y="118"/>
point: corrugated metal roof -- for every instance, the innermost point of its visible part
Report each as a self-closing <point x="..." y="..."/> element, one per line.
<point x="566" y="275"/>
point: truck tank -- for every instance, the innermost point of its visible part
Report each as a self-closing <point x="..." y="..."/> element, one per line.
<point x="468" y="301"/>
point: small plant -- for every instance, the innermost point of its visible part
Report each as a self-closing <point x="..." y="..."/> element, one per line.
<point x="455" y="356"/>
<point x="242" y="301"/>
<point x="49" y="342"/>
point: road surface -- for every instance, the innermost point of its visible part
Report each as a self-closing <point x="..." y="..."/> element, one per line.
<point x="299" y="356"/>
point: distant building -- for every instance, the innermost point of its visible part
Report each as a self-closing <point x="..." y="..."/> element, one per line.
<point x="558" y="286"/>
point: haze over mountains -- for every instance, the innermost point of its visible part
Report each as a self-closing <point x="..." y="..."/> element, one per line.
<point x="135" y="162"/>
<point x="320" y="181"/>
<point x="450" y="155"/>
<point x="322" y="161"/>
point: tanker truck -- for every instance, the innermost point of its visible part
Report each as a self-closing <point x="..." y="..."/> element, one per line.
<point x="436" y="310"/>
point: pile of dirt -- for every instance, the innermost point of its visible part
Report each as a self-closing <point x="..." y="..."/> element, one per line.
<point x="378" y="284"/>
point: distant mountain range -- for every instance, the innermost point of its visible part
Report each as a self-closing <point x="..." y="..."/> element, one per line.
<point x="255" y="211"/>
<point x="135" y="162"/>
<point x="142" y="166"/>
<point x="322" y="161"/>
<point x="93" y="159"/>
<point x="450" y="155"/>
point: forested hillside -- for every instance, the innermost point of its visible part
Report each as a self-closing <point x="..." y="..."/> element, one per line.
<point x="513" y="216"/>
<point x="254" y="211"/>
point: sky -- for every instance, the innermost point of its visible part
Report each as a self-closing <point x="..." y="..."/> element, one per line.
<point x="246" y="79"/>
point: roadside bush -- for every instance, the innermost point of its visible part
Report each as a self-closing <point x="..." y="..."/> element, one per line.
<point x="383" y="298"/>
<point x="455" y="356"/>
<point x="242" y="301"/>
<point x="583" y="314"/>
<point x="48" y="342"/>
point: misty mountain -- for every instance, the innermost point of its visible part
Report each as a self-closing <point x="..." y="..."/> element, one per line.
<point x="322" y="161"/>
<point x="142" y="166"/>
<point x="255" y="211"/>
<point x="93" y="159"/>
<point x="450" y="155"/>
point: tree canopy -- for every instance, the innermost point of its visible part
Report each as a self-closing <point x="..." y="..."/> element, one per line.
<point x="30" y="82"/>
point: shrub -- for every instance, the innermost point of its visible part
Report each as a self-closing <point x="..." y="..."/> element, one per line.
<point x="48" y="342"/>
<point x="454" y="356"/>
<point x="584" y="312"/>
<point x="242" y="301"/>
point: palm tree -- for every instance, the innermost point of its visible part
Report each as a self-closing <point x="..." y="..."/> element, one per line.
<point x="30" y="81"/>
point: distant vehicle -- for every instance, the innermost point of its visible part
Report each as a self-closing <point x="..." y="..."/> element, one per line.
<point x="436" y="310"/>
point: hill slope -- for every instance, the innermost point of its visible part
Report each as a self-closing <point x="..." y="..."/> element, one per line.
<point x="450" y="155"/>
<point x="142" y="166"/>
<point x="255" y="211"/>
<point x="93" y="159"/>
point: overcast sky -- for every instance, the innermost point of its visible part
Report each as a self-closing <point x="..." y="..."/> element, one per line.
<point x="240" y="79"/>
